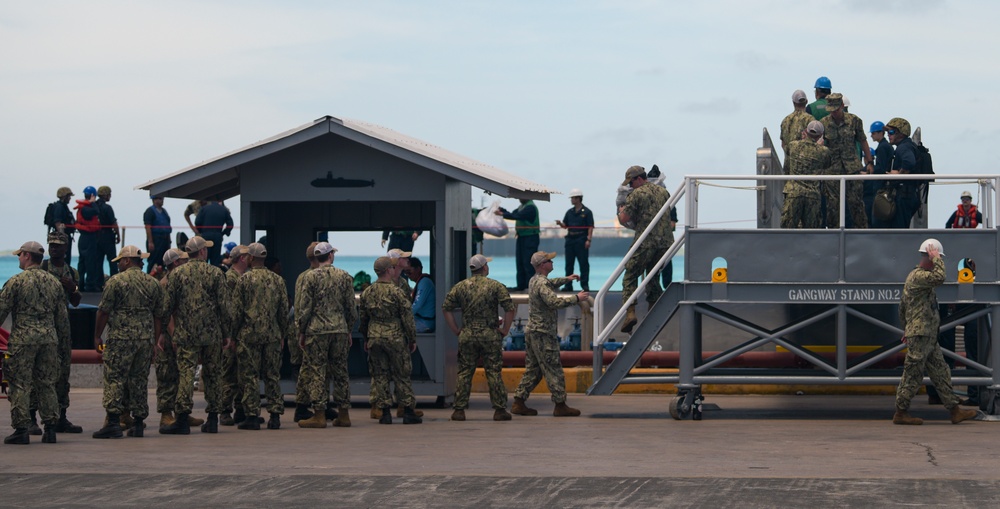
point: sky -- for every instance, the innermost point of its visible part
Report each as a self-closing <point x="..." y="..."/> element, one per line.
<point x="567" y="94"/>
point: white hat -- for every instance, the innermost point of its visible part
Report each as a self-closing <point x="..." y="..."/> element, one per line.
<point x="966" y="194"/>
<point x="931" y="243"/>
<point x="575" y="192"/>
<point x="323" y="248"/>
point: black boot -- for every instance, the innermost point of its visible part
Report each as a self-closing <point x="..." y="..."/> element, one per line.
<point x="239" y="416"/>
<point x="331" y="412"/>
<point x="64" y="426"/>
<point x="33" y="428"/>
<point x="249" y="422"/>
<point x="180" y="426"/>
<point x="20" y="436"/>
<point x="137" y="428"/>
<point x="409" y="417"/>
<point x="112" y="429"/>
<point x="301" y="412"/>
<point x="274" y="422"/>
<point x="386" y="415"/>
<point x="212" y="424"/>
<point x="49" y="434"/>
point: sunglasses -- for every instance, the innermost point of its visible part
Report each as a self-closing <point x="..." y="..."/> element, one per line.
<point x="891" y="132"/>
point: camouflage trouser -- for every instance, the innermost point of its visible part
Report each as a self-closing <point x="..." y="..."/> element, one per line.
<point x="407" y="368"/>
<point x="542" y="359"/>
<point x="325" y="360"/>
<point x="211" y="373"/>
<point x="231" y="387"/>
<point x="639" y="265"/>
<point x="166" y="378"/>
<point x="489" y="345"/>
<point x="924" y="354"/>
<point x="388" y="359"/>
<point x="64" y="350"/>
<point x="801" y="209"/>
<point x="256" y="361"/>
<point x="855" y="204"/>
<point x="28" y="366"/>
<point x="126" y="377"/>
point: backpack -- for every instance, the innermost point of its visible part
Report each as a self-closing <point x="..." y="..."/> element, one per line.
<point x="925" y="165"/>
<point x="50" y="219"/>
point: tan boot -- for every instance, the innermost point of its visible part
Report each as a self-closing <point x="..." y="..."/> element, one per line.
<point x="520" y="408"/>
<point x="343" y="419"/>
<point x="630" y="320"/>
<point x="376" y="413"/>
<point x="195" y="421"/>
<point x="126" y="421"/>
<point x="501" y="414"/>
<point x="400" y="410"/>
<point x="318" y="420"/>
<point x="562" y="410"/>
<point x="166" y="418"/>
<point x="904" y="417"/>
<point x="958" y="414"/>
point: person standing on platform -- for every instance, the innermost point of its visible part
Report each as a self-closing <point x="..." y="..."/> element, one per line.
<point x="192" y="209"/>
<point x="541" y="343"/>
<point x="214" y="222"/>
<point x="37" y="303"/>
<point x="108" y="236"/>
<point x="794" y="125"/>
<point x="400" y="239"/>
<point x="88" y="225"/>
<point x="818" y="108"/>
<point x="966" y="216"/>
<point x="921" y="320"/>
<point x="158" y="230"/>
<point x="133" y="306"/>
<point x="842" y="132"/>
<point x="904" y="162"/>
<point x="59" y="219"/>
<point x="801" y="208"/>
<point x="480" y="336"/>
<point x="527" y="229"/>
<point x="579" y="223"/>
<point x="883" y="162"/>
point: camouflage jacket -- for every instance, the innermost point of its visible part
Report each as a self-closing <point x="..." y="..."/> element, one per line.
<point x="232" y="277"/>
<point x="404" y="284"/>
<point x="60" y="272"/>
<point x="36" y="301"/>
<point x="806" y="157"/>
<point x="918" y="306"/>
<point x="479" y="298"/>
<point x="386" y="313"/>
<point x="198" y="300"/>
<point x="641" y="205"/>
<point x="544" y="303"/>
<point x="132" y="299"/>
<point x="260" y="307"/>
<point x="792" y="127"/>
<point x="842" y="140"/>
<point x="325" y="303"/>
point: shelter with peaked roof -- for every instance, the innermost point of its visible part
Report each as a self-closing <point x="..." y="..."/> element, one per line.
<point x="346" y="175"/>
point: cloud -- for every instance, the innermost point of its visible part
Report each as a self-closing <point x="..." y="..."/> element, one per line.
<point x="719" y="106"/>
<point x="620" y="135"/>
<point x="756" y="61"/>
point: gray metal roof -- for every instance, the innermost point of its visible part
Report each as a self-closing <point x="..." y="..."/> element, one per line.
<point x="220" y="175"/>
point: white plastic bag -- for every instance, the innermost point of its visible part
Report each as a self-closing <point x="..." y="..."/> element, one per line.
<point x="490" y="222"/>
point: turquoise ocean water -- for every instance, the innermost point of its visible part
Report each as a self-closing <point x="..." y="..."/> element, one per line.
<point x="501" y="268"/>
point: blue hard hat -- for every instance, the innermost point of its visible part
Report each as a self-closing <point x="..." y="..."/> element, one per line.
<point x="91" y="190"/>
<point x="229" y="246"/>
<point x="823" y="82"/>
<point x="877" y="127"/>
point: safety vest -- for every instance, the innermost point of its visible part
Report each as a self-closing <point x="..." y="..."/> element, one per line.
<point x="91" y="225"/>
<point x="965" y="220"/>
<point x="526" y="228"/>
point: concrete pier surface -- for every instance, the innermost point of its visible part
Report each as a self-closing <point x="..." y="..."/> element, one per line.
<point x="625" y="451"/>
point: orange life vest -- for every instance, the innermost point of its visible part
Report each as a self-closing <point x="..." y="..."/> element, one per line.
<point x="965" y="220"/>
<point x="91" y="225"/>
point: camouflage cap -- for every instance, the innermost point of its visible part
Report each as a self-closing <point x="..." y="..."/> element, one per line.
<point x="130" y="252"/>
<point x="478" y="261"/>
<point x="815" y="128"/>
<point x="63" y="191"/>
<point x="257" y="250"/>
<point x="58" y="238"/>
<point x="834" y="102"/>
<point x="30" y="247"/>
<point x="399" y="253"/>
<point x="382" y="264"/>
<point x="633" y="172"/>
<point x="311" y="250"/>
<point x="323" y="248"/>
<point x="197" y="243"/>
<point x="799" y="97"/>
<point x="103" y="191"/>
<point x="541" y="257"/>
<point x="172" y="255"/>
<point x="900" y="124"/>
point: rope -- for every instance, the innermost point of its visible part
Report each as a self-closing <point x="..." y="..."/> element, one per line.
<point x="745" y="188"/>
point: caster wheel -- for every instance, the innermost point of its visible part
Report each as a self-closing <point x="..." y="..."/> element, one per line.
<point x="676" y="408"/>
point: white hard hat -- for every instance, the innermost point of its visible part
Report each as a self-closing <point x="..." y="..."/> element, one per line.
<point x="966" y="194"/>
<point x="932" y="243"/>
<point x="575" y="192"/>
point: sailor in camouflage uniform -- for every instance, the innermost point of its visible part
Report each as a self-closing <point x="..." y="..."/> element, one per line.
<point x="802" y="197"/>
<point x="260" y="320"/>
<point x="302" y="404"/>
<point x="402" y="260"/>
<point x="843" y="133"/>
<point x="642" y="204"/>
<point x="479" y="297"/>
<point x="921" y="319"/>
<point x="541" y="344"/>
<point x="231" y="388"/>
<point x="69" y="278"/>
<point x="793" y="125"/>
<point x="325" y="313"/>
<point x="198" y="300"/>
<point x="133" y="305"/>
<point x="165" y="357"/>
<point x="36" y="301"/>
<point x="390" y="338"/>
